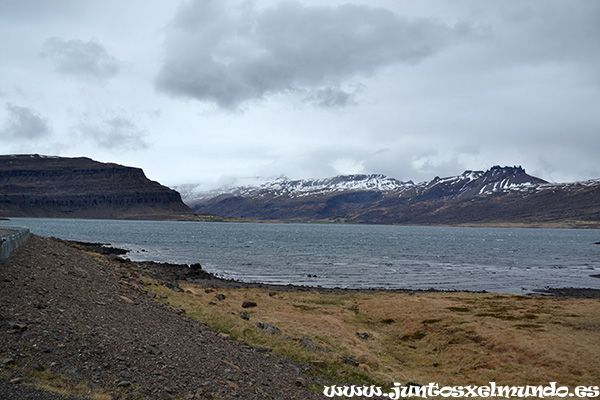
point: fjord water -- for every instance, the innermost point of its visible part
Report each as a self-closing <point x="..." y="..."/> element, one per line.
<point x="503" y="260"/>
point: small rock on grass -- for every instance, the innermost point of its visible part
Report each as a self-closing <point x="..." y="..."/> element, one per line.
<point x="244" y="315"/>
<point x="309" y="344"/>
<point x="249" y="304"/>
<point x="363" y="335"/>
<point x="267" y="328"/>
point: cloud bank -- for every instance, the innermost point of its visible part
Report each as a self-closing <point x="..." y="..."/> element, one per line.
<point x="227" y="55"/>
<point x="212" y="89"/>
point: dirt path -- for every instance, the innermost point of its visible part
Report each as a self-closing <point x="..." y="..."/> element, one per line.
<point x="71" y="313"/>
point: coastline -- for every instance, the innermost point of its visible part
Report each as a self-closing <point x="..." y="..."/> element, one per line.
<point x="384" y="256"/>
<point x="79" y="322"/>
<point x="171" y="274"/>
<point x="74" y="322"/>
<point x="199" y="217"/>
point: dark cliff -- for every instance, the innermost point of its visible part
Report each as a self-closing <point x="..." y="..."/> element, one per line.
<point x="39" y="186"/>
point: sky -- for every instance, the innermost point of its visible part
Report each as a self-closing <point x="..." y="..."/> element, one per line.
<point x="224" y="92"/>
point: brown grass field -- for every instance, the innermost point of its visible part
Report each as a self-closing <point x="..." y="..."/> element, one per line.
<point x="447" y="338"/>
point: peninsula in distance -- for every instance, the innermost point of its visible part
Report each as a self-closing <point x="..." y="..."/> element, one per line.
<point x="60" y="187"/>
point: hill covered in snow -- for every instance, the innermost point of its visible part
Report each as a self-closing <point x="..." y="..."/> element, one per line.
<point x="500" y="195"/>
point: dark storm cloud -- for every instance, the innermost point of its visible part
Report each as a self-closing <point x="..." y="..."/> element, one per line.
<point x="227" y="55"/>
<point x="115" y="133"/>
<point x="23" y="124"/>
<point x="76" y="58"/>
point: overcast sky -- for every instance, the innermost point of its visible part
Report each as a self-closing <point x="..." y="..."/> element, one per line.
<point x="218" y="92"/>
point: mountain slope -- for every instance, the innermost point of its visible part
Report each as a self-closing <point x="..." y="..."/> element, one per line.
<point x="500" y="195"/>
<point x="473" y="183"/>
<point x="40" y="186"/>
<point x="283" y="186"/>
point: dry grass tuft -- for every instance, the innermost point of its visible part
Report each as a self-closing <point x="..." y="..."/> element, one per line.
<point x="49" y="381"/>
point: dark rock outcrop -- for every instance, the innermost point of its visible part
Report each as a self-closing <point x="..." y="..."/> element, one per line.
<point x="39" y="186"/>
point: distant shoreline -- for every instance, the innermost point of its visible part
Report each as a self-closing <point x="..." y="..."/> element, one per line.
<point x="210" y="218"/>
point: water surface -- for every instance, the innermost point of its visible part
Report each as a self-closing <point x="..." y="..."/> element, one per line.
<point x="504" y="260"/>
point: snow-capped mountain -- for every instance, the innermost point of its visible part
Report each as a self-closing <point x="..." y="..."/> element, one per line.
<point x="282" y="186"/>
<point x="498" y="195"/>
<point x="473" y="183"/>
<point x="469" y="183"/>
<point x="297" y="188"/>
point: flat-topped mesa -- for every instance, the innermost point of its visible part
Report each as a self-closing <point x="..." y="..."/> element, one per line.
<point x="41" y="186"/>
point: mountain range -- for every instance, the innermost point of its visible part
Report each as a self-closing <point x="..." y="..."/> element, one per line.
<point x="498" y="196"/>
<point x="59" y="187"/>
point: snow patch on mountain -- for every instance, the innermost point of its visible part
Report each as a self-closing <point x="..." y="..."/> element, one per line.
<point x="291" y="188"/>
<point x="299" y="188"/>
<point x="496" y="180"/>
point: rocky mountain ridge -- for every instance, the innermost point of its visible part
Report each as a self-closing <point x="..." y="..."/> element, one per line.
<point x="475" y="183"/>
<point x="500" y="195"/>
<point x="282" y="186"/>
<point x="43" y="186"/>
<point x="468" y="183"/>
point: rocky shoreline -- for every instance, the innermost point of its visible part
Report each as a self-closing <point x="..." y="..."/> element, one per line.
<point x="90" y="321"/>
<point x="171" y="274"/>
